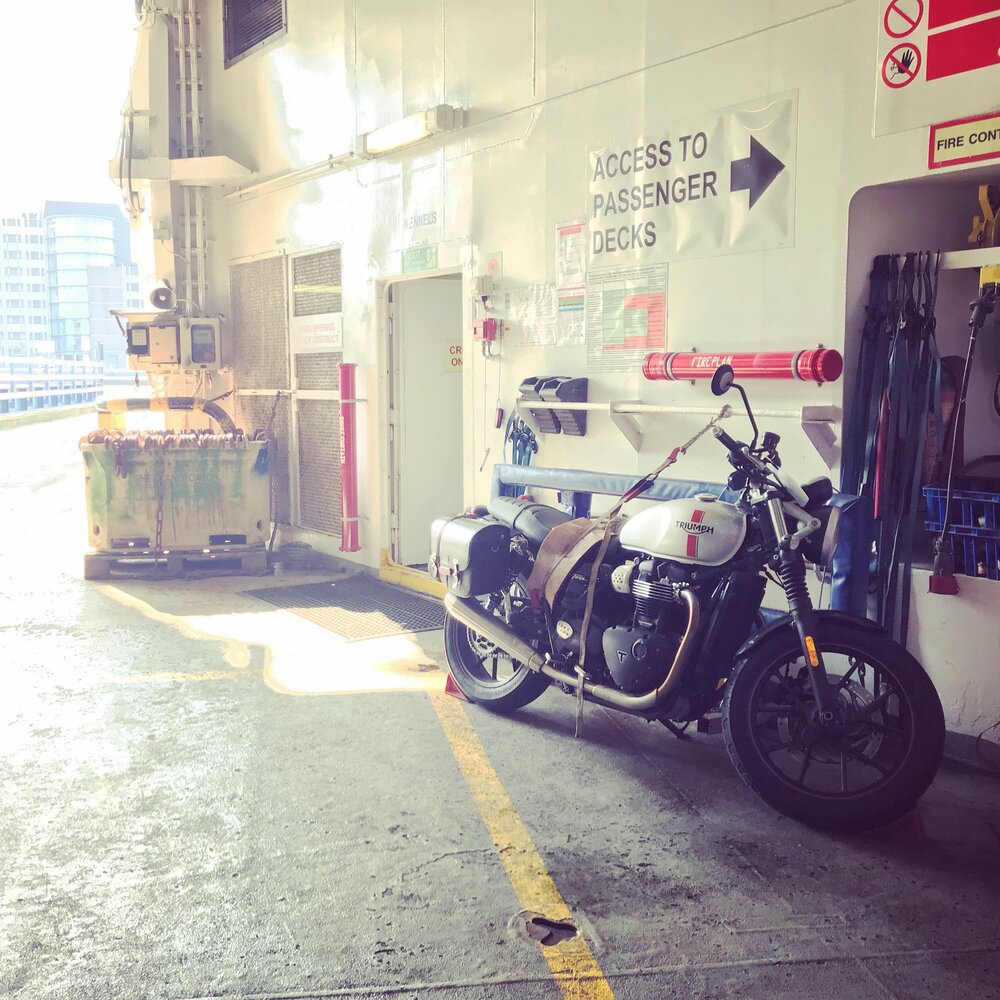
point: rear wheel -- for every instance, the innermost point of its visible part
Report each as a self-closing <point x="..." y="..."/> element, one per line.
<point x="484" y="672"/>
<point x="866" y="769"/>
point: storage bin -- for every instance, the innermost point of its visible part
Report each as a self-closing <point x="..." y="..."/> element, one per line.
<point x="214" y="494"/>
<point x="974" y="528"/>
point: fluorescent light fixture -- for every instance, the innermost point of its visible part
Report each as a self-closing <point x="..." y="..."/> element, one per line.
<point x="412" y="129"/>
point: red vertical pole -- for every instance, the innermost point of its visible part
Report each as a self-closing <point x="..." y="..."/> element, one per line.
<point x="348" y="460"/>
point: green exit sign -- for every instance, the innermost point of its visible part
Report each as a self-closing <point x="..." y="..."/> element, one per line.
<point x="422" y="258"/>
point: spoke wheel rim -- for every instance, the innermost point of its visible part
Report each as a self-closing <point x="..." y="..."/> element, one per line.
<point x="485" y="662"/>
<point x="871" y="742"/>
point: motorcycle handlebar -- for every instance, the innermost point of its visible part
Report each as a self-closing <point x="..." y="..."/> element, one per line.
<point x="731" y="444"/>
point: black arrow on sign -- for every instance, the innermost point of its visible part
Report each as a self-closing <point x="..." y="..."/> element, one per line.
<point x="756" y="173"/>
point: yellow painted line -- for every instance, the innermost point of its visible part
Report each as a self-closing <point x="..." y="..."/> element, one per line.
<point x="406" y="576"/>
<point x="572" y="963"/>
<point x="167" y="676"/>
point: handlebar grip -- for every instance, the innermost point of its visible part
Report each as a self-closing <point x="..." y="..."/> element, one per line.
<point x="731" y="443"/>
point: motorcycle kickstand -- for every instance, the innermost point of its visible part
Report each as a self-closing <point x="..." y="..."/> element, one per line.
<point x="676" y="730"/>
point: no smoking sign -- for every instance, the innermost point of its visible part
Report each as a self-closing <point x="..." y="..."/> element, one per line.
<point x="902" y="17"/>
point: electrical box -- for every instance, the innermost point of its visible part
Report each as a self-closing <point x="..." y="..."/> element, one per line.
<point x="485" y="329"/>
<point x="162" y="342"/>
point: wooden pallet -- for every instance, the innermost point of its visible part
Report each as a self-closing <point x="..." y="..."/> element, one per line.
<point x="219" y="560"/>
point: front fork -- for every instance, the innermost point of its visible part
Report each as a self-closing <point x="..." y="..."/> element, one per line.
<point x="792" y="570"/>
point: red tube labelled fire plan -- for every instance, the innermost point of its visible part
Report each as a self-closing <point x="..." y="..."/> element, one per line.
<point x="817" y="365"/>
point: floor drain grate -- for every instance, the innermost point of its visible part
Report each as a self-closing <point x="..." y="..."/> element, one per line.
<point x="545" y="931"/>
<point x="358" y="607"/>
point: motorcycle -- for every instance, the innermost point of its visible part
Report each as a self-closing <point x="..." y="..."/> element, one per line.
<point x="659" y="615"/>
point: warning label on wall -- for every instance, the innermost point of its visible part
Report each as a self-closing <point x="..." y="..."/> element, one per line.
<point x="724" y="182"/>
<point x="937" y="59"/>
<point x="626" y="317"/>
<point x="453" y="357"/>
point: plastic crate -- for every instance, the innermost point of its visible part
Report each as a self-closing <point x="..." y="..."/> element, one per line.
<point x="974" y="528"/>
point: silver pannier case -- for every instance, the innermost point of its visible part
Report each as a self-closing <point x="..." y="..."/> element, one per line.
<point x="470" y="555"/>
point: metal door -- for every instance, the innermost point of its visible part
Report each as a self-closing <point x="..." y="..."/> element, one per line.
<point x="426" y="418"/>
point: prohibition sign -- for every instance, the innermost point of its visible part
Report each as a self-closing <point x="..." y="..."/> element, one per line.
<point x="901" y="66"/>
<point x="902" y="16"/>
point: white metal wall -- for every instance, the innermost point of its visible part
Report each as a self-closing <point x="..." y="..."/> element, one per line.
<point x="544" y="82"/>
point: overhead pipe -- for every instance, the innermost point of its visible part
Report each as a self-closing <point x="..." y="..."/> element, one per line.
<point x="348" y="459"/>
<point x="817" y="365"/>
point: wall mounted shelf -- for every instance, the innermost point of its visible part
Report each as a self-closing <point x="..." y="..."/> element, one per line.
<point x="816" y="421"/>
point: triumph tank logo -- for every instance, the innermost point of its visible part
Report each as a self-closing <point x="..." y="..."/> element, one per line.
<point x="695" y="529"/>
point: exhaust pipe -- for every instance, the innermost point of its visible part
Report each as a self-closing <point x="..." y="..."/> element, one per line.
<point x="471" y="614"/>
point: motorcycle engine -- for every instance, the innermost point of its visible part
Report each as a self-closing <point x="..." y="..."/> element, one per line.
<point x="639" y="655"/>
<point x="609" y="606"/>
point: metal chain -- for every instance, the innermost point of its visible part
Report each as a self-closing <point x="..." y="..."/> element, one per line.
<point x="158" y="487"/>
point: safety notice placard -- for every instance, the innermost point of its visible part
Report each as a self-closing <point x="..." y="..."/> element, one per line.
<point x="967" y="140"/>
<point x="722" y="182"/>
<point x="937" y="60"/>
<point x="316" y="334"/>
<point x="626" y="317"/>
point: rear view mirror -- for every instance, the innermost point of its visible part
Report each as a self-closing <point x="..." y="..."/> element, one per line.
<point x="722" y="380"/>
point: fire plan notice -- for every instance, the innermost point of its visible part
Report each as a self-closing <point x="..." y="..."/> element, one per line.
<point x="531" y="310"/>
<point x="626" y="317"/>
<point x="571" y="278"/>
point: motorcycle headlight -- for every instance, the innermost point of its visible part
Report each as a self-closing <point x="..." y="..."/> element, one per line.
<point x="819" y="547"/>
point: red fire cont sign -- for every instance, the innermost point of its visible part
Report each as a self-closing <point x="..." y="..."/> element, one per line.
<point x="967" y="140"/>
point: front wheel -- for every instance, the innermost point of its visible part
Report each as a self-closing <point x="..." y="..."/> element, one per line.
<point x="484" y="672"/>
<point x="867" y="768"/>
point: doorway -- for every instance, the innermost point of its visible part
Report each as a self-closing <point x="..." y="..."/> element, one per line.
<point x="425" y="411"/>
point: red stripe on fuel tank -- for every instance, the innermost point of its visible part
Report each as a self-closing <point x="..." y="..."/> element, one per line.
<point x="696" y="518"/>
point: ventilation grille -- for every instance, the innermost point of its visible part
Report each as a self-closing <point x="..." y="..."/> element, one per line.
<point x="254" y="414"/>
<point x="318" y="371"/>
<point x="316" y="288"/>
<point x="250" y="22"/>
<point x="260" y="324"/>
<point x="319" y="465"/>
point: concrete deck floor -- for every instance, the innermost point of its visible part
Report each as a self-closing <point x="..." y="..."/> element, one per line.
<point x="202" y="797"/>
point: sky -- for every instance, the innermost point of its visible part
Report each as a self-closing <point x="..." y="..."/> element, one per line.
<point x="64" y="78"/>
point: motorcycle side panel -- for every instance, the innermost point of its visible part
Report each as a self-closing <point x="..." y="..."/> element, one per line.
<point x="701" y="531"/>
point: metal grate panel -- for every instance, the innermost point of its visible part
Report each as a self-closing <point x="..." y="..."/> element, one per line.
<point x="316" y="283"/>
<point x="254" y="414"/>
<point x="260" y="324"/>
<point x="319" y="465"/>
<point x="250" y="22"/>
<point x="318" y="371"/>
<point x="358" y="608"/>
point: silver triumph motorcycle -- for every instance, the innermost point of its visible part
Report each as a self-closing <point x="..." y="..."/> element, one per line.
<point x="823" y="714"/>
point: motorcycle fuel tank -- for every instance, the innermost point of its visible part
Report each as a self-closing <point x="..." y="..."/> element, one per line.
<point x="701" y="530"/>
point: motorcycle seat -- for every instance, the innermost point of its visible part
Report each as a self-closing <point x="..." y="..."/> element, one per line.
<point x="533" y="520"/>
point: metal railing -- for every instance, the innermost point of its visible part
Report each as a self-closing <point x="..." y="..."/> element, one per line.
<point x="28" y="384"/>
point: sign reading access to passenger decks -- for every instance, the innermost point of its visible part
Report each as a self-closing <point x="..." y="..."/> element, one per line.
<point x="967" y="140"/>
<point x="720" y="183"/>
<point x="937" y="60"/>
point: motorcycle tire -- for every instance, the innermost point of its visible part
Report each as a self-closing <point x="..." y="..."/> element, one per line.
<point x="465" y="662"/>
<point x="897" y="756"/>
